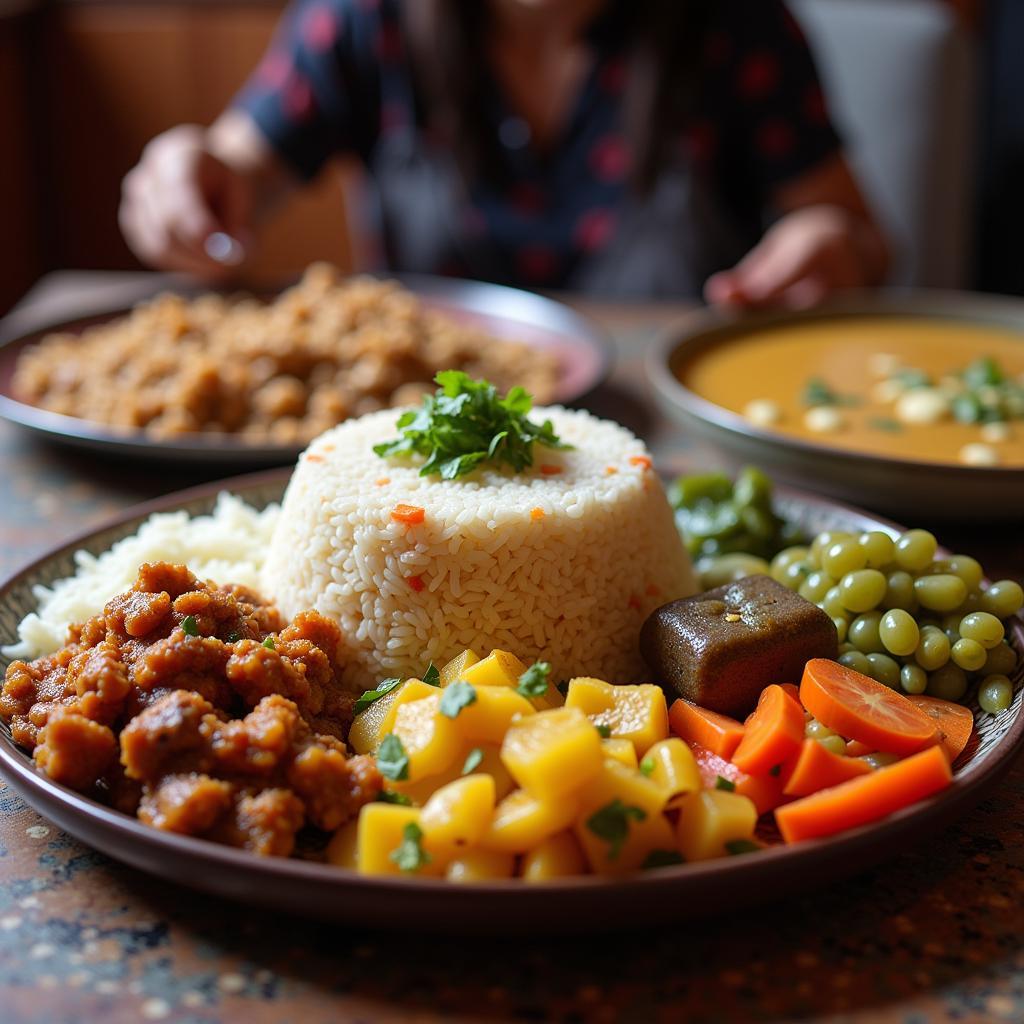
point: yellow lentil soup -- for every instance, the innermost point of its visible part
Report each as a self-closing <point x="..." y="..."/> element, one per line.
<point x="916" y="388"/>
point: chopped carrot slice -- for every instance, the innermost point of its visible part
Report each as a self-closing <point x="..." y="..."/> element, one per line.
<point x="765" y="791"/>
<point x="314" y="458"/>
<point x="641" y="460"/>
<point x="548" y="470"/>
<point x="634" y="602"/>
<point x="410" y="514"/>
<point x="774" y="733"/>
<point x="854" y="748"/>
<point x="416" y="582"/>
<point x="817" y="768"/>
<point x="694" y="724"/>
<point x="381" y="481"/>
<point x="954" y="722"/>
<point x="867" y="798"/>
<point x="536" y="514"/>
<point x="610" y="470"/>
<point x="859" y="708"/>
<point x="793" y="690"/>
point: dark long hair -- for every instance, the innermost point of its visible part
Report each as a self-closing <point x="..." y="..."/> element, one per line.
<point x="665" y="46"/>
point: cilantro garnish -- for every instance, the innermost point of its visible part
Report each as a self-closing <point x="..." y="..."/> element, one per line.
<point x="457" y="696"/>
<point x="269" y="644"/>
<point x="818" y="392"/>
<point x="721" y="782"/>
<point x="369" y="696"/>
<point x="473" y="759"/>
<point x="432" y="677"/>
<point x="737" y="846"/>
<point x="662" y="859"/>
<point x="465" y="423"/>
<point x="384" y="797"/>
<point x="647" y="766"/>
<point x="534" y="681"/>
<point x="604" y="731"/>
<point x="886" y="424"/>
<point x="189" y="626"/>
<point x="611" y="823"/>
<point x="409" y="855"/>
<point x="392" y="760"/>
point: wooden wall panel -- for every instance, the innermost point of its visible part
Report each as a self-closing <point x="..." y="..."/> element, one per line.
<point x="120" y="73"/>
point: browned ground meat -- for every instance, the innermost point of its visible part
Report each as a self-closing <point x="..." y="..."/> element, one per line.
<point x="196" y="706"/>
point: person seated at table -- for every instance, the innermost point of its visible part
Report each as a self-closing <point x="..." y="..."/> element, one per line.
<point x="604" y="146"/>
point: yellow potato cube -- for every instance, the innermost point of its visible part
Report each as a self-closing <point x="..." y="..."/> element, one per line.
<point x="421" y="790"/>
<point x="431" y="740"/>
<point x="552" y="752"/>
<point x="458" y="814"/>
<point x="381" y="833"/>
<point x="487" y="719"/>
<point x="453" y="669"/>
<point x="622" y="751"/>
<point x="481" y="866"/>
<point x="343" y="849"/>
<point x="555" y="857"/>
<point x="616" y="780"/>
<point x="370" y="726"/>
<point x="521" y="821"/>
<point x="499" y="668"/>
<point x="674" y="768"/>
<point x="710" y="818"/>
<point x="619" y="838"/>
<point x="635" y="713"/>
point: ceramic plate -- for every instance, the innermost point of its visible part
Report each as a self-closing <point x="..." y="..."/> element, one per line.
<point x="912" y="490"/>
<point x="582" y="348"/>
<point x="669" y="894"/>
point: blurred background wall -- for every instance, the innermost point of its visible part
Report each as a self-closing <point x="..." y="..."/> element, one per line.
<point x="929" y="93"/>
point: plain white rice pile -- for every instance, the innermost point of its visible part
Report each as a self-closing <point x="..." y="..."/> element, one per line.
<point x="227" y="546"/>
<point x="561" y="566"/>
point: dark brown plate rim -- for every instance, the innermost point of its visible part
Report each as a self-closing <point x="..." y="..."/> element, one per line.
<point x="862" y="845"/>
<point x="708" y="328"/>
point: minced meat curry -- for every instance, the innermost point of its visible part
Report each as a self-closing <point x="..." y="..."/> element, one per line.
<point x="195" y="707"/>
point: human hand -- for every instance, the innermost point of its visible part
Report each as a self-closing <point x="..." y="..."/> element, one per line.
<point x="184" y="208"/>
<point x="802" y="258"/>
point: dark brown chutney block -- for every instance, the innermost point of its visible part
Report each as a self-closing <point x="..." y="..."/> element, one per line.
<point x="720" y="649"/>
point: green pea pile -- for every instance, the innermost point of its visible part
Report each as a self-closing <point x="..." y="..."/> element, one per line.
<point x="914" y="622"/>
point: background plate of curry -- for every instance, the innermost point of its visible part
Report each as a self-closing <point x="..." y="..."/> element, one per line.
<point x="911" y="402"/>
<point x="243" y="381"/>
<point x="304" y="885"/>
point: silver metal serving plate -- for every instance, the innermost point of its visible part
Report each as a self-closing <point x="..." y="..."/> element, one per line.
<point x="585" y="903"/>
<point x="583" y="349"/>
<point x="911" y="490"/>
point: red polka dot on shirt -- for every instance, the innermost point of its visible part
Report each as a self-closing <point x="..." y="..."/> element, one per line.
<point x="609" y="158"/>
<point x="594" y="228"/>
<point x="759" y="76"/>
<point x="537" y="262"/>
<point x="702" y="141"/>
<point x="527" y="198"/>
<point x="815" y="108"/>
<point x="274" y="69"/>
<point x="775" y="139"/>
<point x="388" y="44"/>
<point x="613" y="76"/>
<point x="297" y="98"/>
<point x="321" y="28"/>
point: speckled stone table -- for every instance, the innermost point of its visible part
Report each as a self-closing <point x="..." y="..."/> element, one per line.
<point x="936" y="934"/>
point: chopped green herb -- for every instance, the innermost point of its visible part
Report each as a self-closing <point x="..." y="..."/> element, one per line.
<point x="662" y="859"/>
<point x="269" y="644"/>
<point x="369" y="696"/>
<point x="604" y="731"/>
<point x="189" y="627"/>
<point x="465" y="423"/>
<point x="885" y="423"/>
<point x="737" y="846"/>
<point x="721" y="782"/>
<point x="984" y="372"/>
<point x="392" y="760"/>
<point x="775" y="770"/>
<point x="432" y="677"/>
<point x="409" y="855"/>
<point x="473" y="759"/>
<point x="534" y="681"/>
<point x="967" y="409"/>
<point x="457" y="696"/>
<point x="647" y="766"/>
<point x="384" y="797"/>
<point x="234" y="637"/>
<point x="562" y="686"/>
<point x="913" y="378"/>
<point x="818" y="392"/>
<point x="611" y="823"/>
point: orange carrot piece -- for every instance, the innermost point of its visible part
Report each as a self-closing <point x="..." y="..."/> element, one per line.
<point x="866" y="798"/>
<point x="774" y="733"/>
<point x="765" y="791"/>
<point x="536" y="514"/>
<point x="548" y="469"/>
<point x="416" y="583"/>
<point x="859" y="708"/>
<point x="694" y="724"/>
<point x="411" y="514"/>
<point x="854" y="748"/>
<point x="641" y="460"/>
<point x="954" y="722"/>
<point x="817" y="768"/>
<point x="793" y="690"/>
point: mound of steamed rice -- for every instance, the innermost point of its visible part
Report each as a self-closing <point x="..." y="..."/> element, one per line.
<point x="227" y="546"/>
<point x="561" y="563"/>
